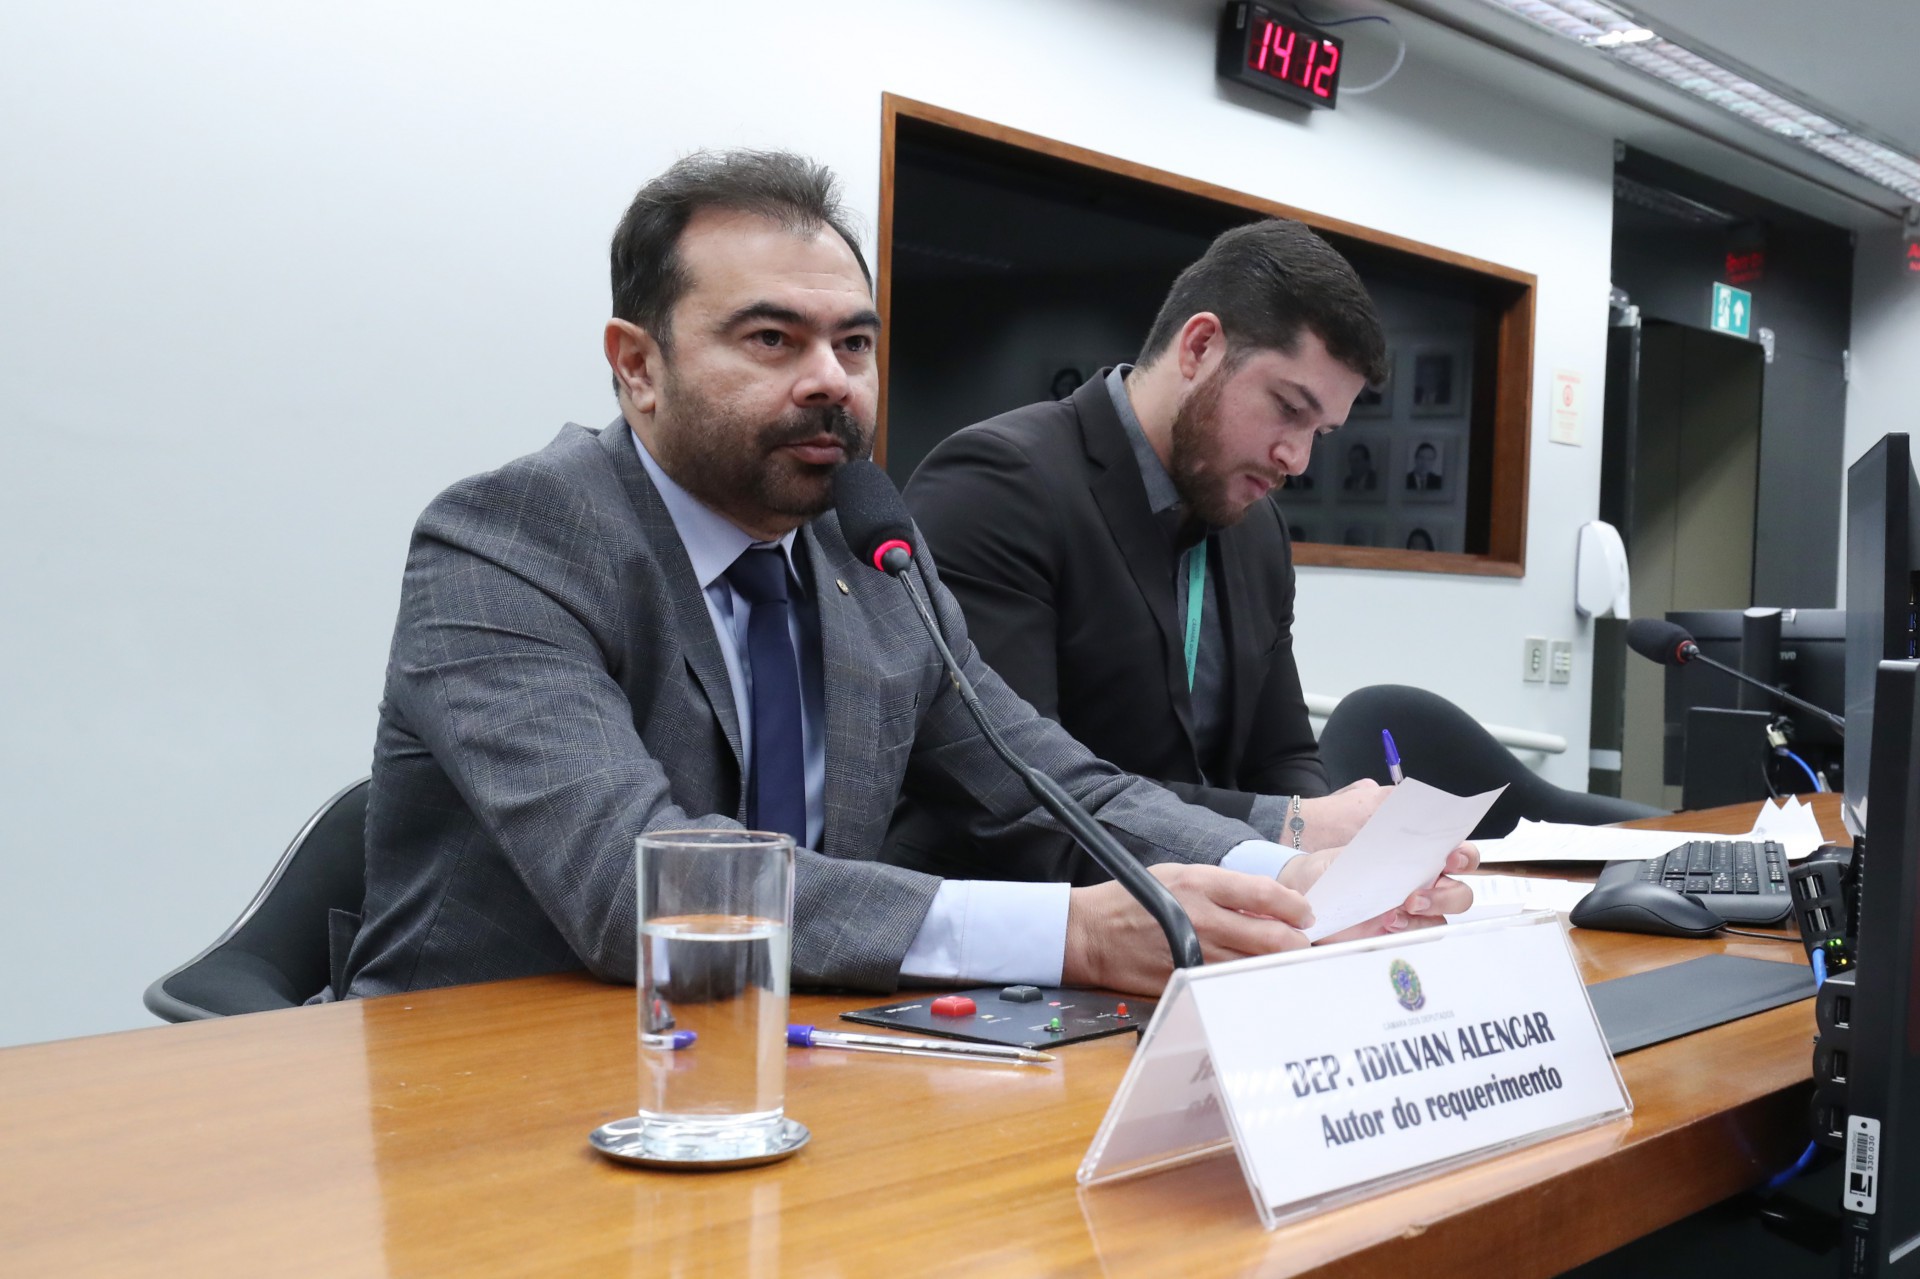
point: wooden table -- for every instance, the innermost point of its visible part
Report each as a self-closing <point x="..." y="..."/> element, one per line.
<point x="446" y="1133"/>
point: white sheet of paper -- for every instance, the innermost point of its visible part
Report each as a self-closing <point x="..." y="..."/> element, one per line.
<point x="1510" y="894"/>
<point x="1792" y="824"/>
<point x="1559" y="842"/>
<point x="1402" y="848"/>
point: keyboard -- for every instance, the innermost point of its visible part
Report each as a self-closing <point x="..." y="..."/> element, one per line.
<point x="1743" y="881"/>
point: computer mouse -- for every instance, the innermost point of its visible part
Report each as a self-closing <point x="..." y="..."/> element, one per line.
<point x="1637" y="906"/>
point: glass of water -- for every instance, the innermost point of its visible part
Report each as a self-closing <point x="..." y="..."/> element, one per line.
<point x="715" y="917"/>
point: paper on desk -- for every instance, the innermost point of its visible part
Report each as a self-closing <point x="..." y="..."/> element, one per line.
<point x="1791" y="824"/>
<point x="1402" y="848"/>
<point x="1511" y="894"/>
<point x="1560" y="842"/>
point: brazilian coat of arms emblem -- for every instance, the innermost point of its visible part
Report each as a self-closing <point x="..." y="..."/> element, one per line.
<point x="1406" y="985"/>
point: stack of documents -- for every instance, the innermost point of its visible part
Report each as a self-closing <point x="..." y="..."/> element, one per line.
<point x="1790" y="824"/>
<point x="1405" y="845"/>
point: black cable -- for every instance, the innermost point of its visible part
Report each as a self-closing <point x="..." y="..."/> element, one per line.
<point x="1744" y="932"/>
<point x="1354" y="91"/>
<point x="1766" y="776"/>
<point x="1341" y="22"/>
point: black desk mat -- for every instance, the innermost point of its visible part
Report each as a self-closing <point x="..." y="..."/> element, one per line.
<point x="1665" y="1003"/>
<point x="1083" y="1014"/>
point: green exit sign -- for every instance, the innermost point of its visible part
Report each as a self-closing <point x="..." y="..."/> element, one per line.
<point x="1732" y="310"/>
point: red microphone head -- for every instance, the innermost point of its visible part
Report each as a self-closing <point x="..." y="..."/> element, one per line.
<point x="890" y="555"/>
<point x="1661" y="641"/>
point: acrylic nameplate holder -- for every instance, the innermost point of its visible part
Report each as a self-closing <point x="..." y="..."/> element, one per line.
<point x="1343" y="1071"/>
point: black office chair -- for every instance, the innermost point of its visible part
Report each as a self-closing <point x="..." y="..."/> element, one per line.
<point x="1443" y="746"/>
<point x="291" y="939"/>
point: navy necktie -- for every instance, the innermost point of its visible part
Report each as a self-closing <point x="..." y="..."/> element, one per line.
<point x="776" y="775"/>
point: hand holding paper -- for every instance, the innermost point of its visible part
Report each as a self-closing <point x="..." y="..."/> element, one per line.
<point x="1402" y="849"/>
<point x="1113" y="944"/>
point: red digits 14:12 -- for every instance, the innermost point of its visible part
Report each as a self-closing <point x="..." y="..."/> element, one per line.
<point x="1276" y="45"/>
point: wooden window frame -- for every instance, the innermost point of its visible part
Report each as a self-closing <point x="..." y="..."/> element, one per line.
<point x="1501" y="472"/>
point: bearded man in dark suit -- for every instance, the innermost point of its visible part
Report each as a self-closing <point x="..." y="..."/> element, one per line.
<point x="579" y="658"/>
<point x="1121" y="554"/>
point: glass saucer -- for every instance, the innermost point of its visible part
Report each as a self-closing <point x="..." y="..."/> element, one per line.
<point x="635" y="1141"/>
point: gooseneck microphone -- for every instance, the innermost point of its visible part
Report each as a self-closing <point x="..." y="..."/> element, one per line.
<point x="1670" y="645"/>
<point x="875" y="523"/>
<point x="1662" y="642"/>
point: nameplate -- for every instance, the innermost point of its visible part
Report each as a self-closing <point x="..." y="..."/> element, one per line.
<point x="1343" y="1071"/>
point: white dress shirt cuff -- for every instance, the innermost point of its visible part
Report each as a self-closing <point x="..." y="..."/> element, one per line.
<point x="1258" y="857"/>
<point x="986" y="931"/>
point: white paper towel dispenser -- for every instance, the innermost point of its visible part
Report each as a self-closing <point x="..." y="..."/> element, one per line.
<point x="1600" y="583"/>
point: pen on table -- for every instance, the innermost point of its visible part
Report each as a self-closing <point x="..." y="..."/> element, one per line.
<point x="808" y="1037"/>
<point x="1393" y="758"/>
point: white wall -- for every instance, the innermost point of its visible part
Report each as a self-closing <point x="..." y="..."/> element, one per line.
<point x="274" y="274"/>
<point x="1885" y="337"/>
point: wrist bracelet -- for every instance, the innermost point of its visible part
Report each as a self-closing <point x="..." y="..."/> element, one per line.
<point x="1295" y="823"/>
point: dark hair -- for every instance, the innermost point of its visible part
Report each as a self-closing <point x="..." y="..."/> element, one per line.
<point x="648" y="276"/>
<point x="1267" y="281"/>
<point x="1429" y="446"/>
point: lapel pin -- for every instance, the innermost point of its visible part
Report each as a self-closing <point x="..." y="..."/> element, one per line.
<point x="844" y="588"/>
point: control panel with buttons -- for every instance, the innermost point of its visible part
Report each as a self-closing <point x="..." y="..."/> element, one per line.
<point x="1021" y="1015"/>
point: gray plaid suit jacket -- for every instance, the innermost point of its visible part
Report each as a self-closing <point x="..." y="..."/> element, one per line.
<point x="556" y="688"/>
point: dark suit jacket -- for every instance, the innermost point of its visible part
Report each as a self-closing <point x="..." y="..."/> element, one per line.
<point x="556" y="688"/>
<point x="1040" y="521"/>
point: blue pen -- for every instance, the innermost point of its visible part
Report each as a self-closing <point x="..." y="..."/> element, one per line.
<point x="1393" y="758"/>
<point x="809" y="1037"/>
<point x="671" y="1039"/>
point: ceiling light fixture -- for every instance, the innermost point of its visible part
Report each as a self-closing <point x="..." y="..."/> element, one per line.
<point x="1672" y="204"/>
<point x="1623" y="39"/>
<point x="1614" y="39"/>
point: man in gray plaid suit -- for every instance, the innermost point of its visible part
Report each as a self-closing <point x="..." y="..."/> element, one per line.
<point x="574" y="664"/>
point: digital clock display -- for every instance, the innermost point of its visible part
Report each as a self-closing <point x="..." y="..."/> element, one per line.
<point x="1279" y="54"/>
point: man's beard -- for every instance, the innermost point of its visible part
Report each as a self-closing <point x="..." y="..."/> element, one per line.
<point x="738" y="468"/>
<point x="1194" y="462"/>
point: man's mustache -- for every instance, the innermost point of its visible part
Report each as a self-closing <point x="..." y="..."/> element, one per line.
<point x="806" y="424"/>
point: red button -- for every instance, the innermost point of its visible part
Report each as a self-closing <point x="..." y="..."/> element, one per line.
<point x="953" y="1006"/>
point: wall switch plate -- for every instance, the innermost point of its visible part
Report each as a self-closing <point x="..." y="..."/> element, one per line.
<point x="1560" y="661"/>
<point x="1533" y="660"/>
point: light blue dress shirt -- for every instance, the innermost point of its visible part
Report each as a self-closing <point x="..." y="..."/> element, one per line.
<point x="977" y="931"/>
<point x="713" y="543"/>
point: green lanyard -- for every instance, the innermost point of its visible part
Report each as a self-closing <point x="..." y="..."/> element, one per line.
<point x="1196" y="600"/>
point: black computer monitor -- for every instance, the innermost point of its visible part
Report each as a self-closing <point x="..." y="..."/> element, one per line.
<point x="1882" y="555"/>
<point x="1880" y="1202"/>
<point x="1812" y="665"/>
<point x="1880" y="1179"/>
